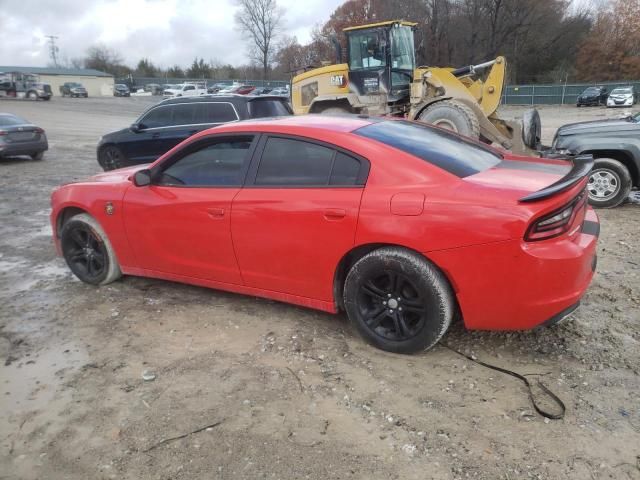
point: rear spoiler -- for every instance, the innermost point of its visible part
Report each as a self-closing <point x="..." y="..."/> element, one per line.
<point x="582" y="165"/>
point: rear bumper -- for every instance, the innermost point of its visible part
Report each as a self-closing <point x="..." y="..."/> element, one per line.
<point x="23" y="148"/>
<point x="517" y="285"/>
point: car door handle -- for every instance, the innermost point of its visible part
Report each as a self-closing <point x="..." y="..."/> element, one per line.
<point x="155" y="135"/>
<point x="334" y="213"/>
<point x="215" y="212"/>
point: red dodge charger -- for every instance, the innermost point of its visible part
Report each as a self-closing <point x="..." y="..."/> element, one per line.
<point x="402" y="225"/>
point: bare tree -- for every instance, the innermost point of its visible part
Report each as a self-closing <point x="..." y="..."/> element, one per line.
<point x="260" y="20"/>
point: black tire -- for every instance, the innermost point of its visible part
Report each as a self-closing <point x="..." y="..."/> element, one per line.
<point x="32" y="95"/>
<point x="111" y="157"/>
<point x="38" y="156"/>
<point x="452" y="115"/>
<point x="88" y="252"/>
<point x="423" y="303"/>
<point x="531" y="129"/>
<point x="609" y="183"/>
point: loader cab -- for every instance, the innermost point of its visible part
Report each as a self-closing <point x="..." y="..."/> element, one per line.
<point x="381" y="59"/>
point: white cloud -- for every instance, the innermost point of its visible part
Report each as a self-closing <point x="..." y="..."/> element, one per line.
<point x="165" y="31"/>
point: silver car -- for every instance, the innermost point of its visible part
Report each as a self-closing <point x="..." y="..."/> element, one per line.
<point x="19" y="137"/>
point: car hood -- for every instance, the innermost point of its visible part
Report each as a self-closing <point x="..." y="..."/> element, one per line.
<point x="518" y="176"/>
<point x="117" y="176"/>
<point x="597" y="126"/>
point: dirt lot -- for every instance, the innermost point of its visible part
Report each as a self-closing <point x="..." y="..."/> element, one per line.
<point x="286" y="393"/>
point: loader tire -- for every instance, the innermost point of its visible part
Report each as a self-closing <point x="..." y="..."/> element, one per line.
<point x="452" y="115"/>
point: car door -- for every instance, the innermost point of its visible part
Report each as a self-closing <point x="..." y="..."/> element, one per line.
<point x="143" y="143"/>
<point x="180" y="224"/>
<point x="297" y="215"/>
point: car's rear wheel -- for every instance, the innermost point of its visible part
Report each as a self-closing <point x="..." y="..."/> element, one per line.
<point x="111" y="158"/>
<point x="88" y="252"/>
<point x="609" y="183"/>
<point x="452" y="115"/>
<point x="398" y="301"/>
<point x="38" y="156"/>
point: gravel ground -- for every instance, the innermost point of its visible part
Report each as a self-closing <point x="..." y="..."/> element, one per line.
<point x="276" y="391"/>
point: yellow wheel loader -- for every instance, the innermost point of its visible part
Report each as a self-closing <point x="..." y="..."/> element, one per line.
<point x="381" y="78"/>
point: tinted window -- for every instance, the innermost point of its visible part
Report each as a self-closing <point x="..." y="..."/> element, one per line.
<point x="158" y="117"/>
<point x="220" y="164"/>
<point x="345" y="170"/>
<point x="294" y="162"/>
<point x="439" y="147"/>
<point x="182" y="114"/>
<point x="268" y="108"/>
<point x="189" y="87"/>
<point x="214" y="113"/>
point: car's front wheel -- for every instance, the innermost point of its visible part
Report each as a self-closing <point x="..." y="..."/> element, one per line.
<point x="398" y="300"/>
<point x="111" y="158"/>
<point x="88" y="252"/>
<point x="609" y="183"/>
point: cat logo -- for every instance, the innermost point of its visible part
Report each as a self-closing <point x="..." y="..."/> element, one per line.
<point x="338" y="80"/>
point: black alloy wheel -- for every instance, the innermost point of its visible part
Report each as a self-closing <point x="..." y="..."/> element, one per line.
<point x="111" y="158"/>
<point x="85" y="253"/>
<point x="392" y="306"/>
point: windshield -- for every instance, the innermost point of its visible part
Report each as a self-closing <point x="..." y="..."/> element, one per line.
<point x="367" y="49"/>
<point x="621" y="91"/>
<point x="591" y="90"/>
<point x="74" y="85"/>
<point x="439" y="147"/>
<point x="402" y="53"/>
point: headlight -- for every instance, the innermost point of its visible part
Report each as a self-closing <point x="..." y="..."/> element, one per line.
<point x="564" y="151"/>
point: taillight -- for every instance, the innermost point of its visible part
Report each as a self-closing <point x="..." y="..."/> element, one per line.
<point x="38" y="130"/>
<point x="3" y="132"/>
<point x="557" y="222"/>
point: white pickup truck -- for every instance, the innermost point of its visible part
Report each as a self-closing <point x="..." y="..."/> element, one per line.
<point x="185" y="90"/>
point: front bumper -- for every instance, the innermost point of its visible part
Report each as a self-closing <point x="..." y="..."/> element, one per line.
<point x="518" y="285"/>
<point x="588" y="101"/>
<point x="620" y="103"/>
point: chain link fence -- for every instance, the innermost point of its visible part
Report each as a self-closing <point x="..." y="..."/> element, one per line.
<point x="140" y="82"/>
<point x="554" y="94"/>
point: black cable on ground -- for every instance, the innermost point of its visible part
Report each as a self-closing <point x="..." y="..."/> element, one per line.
<point x="544" y="388"/>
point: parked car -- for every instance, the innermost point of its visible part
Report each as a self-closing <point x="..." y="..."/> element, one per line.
<point x="215" y="88"/>
<point x="185" y="90"/>
<point x="165" y="125"/>
<point x="622" y="97"/>
<point x="280" y="92"/>
<point x="73" y="89"/>
<point x="615" y="144"/>
<point x="400" y="224"/>
<point x="592" y="96"/>
<point x="237" y="89"/>
<point x="121" y="90"/>
<point x="260" y="91"/>
<point x="20" y="137"/>
<point x="154" y="88"/>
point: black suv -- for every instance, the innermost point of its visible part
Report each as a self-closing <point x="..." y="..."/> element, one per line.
<point x="593" y="96"/>
<point x="168" y="123"/>
<point x="615" y="145"/>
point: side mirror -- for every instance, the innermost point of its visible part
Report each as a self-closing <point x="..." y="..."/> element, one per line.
<point x="136" y="127"/>
<point x="142" y="178"/>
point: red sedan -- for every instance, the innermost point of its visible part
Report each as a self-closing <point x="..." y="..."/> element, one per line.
<point x="401" y="225"/>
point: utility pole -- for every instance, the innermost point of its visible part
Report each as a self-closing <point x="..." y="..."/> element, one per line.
<point x="53" y="49"/>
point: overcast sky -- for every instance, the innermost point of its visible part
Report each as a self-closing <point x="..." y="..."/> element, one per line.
<point x="168" y="32"/>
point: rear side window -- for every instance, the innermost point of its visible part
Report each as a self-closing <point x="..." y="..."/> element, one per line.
<point x="215" y="112"/>
<point x="158" y="117"/>
<point x="448" y="151"/>
<point x="268" y="108"/>
<point x="182" y="114"/>
<point x="291" y="162"/>
<point x="6" y="120"/>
